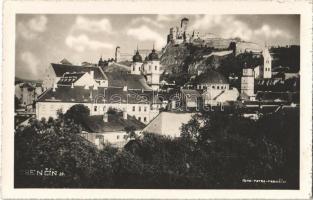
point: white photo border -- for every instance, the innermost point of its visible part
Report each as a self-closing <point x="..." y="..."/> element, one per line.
<point x="11" y="8"/>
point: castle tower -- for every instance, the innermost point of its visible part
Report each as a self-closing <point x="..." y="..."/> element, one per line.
<point x="247" y="82"/>
<point x="152" y="70"/>
<point x="117" y="54"/>
<point x="184" y="24"/>
<point x="267" y="63"/>
<point x="137" y="63"/>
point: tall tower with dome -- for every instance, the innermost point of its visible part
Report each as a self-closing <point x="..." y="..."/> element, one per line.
<point x="151" y="70"/>
<point x="137" y="63"/>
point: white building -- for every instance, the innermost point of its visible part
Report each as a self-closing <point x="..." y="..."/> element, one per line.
<point x="247" y="83"/>
<point x="56" y="71"/>
<point x="215" y="88"/>
<point x="267" y="65"/>
<point x="144" y="105"/>
<point x="100" y="129"/>
<point x="168" y="123"/>
<point x="150" y="68"/>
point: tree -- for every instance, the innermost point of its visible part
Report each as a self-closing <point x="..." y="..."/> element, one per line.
<point x="131" y="134"/>
<point x="52" y="145"/>
<point x="78" y="114"/>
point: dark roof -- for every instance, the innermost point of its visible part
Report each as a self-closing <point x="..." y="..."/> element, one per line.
<point x="116" y="67"/>
<point x="69" y="78"/>
<point x="283" y="96"/>
<point x="132" y="81"/>
<point x="153" y="55"/>
<point x="65" y="61"/>
<point x="211" y="77"/>
<point x="79" y="94"/>
<point x="115" y="122"/>
<point x="137" y="57"/>
<point x="61" y="69"/>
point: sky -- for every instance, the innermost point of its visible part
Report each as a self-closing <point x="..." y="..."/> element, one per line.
<point x="45" y="39"/>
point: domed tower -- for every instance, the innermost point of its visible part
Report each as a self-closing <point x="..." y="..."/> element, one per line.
<point x="137" y="63"/>
<point x="152" y="70"/>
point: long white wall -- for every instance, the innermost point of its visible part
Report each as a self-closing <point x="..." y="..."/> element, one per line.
<point x="142" y="112"/>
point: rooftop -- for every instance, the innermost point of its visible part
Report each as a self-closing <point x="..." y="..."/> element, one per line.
<point x="116" y="122"/>
<point x="80" y="94"/>
<point x="211" y="77"/>
<point x="61" y="69"/>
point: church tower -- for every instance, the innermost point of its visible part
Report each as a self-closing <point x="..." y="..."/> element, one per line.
<point x="267" y="63"/>
<point x="137" y="63"/>
<point x="247" y="82"/>
<point x="152" y="70"/>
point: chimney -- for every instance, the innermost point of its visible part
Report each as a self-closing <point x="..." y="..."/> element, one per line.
<point x="54" y="87"/>
<point x="92" y="74"/>
<point x="125" y="114"/>
<point x="105" y="117"/>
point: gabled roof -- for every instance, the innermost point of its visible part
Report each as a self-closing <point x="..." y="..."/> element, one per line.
<point x="132" y="81"/>
<point x="61" y="69"/>
<point x="80" y="94"/>
<point x="95" y="124"/>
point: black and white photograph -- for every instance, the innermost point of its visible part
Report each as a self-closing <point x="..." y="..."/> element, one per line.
<point x="157" y="101"/>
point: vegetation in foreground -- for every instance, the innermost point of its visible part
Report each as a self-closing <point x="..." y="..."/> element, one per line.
<point x="216" y="150"/>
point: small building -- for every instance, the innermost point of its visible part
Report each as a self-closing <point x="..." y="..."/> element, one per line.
<point x="190" y="98"/>
<point x="110" y="129"/>
<point x="168" y="123"/>
<point x="215" y="88"/>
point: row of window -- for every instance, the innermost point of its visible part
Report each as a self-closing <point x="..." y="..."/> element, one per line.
<point x="143" y="67"/>
<point x="213" y="87"/>
<point x="133" y="109"/>
<point x="144" y="119"/>
<point x="139" y="108"/>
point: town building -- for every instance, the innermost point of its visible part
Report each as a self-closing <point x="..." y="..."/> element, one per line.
<point x="56" y="71"/>
<point x="144" y="105"/>
<point x="168" y="123"/>
<point x="110" y="128"/>
<point x="27" y="93"/>
<point x="247" y="84"/>
<point x="150" y="68"/>
<point x="215" y="88"/>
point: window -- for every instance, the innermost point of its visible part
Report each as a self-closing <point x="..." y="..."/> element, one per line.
<point x="139" y="108"/>
<point x="213" y="87"/>
<point x="134" y="108"/>
<point x="145" y="119"/>
<point x="218" y="87"/>
<point x="95" y="108"/>
<point x="139" y="118"/>
<point x="145" y="109"/>
<point x="156" y="67"/>
<point x="149" y="67"/>
<point x="133" y="68"/>
<point x="118" y="137"/>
